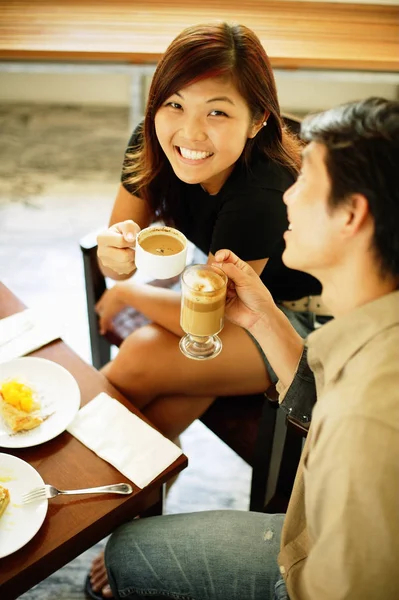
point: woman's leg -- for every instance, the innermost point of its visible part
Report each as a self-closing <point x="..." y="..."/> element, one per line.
<point x="173" y="390"/>
<point x="215" y="555"/>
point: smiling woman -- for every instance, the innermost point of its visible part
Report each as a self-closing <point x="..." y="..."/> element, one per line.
<point x="213" y="159"/>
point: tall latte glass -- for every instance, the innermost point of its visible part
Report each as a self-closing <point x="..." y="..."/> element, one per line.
<point x="202" y="311"/>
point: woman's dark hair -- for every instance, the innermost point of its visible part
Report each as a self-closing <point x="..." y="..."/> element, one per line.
<point x="362" y="142"/>
<point x="200" y="52"/>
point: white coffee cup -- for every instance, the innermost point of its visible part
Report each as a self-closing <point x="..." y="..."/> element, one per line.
<point x="161" y="252"/>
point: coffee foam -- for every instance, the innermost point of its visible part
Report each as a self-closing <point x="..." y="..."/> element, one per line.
<point x="203" y="281"/>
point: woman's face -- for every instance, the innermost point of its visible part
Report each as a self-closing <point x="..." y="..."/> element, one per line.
<point x="203" y="129"/>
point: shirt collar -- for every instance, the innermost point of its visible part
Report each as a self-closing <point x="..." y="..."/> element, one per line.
<point x="332" y="346"/>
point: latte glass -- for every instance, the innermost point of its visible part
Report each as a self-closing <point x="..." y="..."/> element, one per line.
<point x="202" y="311"/>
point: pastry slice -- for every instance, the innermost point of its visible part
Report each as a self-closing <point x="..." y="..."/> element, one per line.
<point x="18" y="420"/>
<point x="18" y="406"/>
<point x="4" y="499"/>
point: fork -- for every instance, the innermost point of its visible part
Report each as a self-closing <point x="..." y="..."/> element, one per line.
<point x="49" y="491"/>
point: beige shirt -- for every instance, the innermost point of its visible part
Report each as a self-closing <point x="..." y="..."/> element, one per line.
<point x="341" y="534"/>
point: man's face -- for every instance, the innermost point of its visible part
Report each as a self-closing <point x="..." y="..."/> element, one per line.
<point x="313" y="243"/>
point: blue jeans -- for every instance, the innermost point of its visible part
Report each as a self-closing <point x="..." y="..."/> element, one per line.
<point x="213" y="555"/>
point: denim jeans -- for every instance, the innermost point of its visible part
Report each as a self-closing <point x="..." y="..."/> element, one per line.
<point x="213" y="555"/>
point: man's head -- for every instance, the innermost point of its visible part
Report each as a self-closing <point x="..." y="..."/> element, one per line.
<point x="348" y="188"/>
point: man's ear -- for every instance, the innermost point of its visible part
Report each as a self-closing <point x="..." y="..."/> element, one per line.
<point x="357" y="213"/>
<point x="257" y="126"/>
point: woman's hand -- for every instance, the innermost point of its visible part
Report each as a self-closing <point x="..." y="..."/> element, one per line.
<point x="116" y="247"/>
<point x="110" y="304"/>
<point x="248" y="300"/>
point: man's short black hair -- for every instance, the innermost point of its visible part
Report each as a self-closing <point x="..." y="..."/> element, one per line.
<point x="362" y="142"/>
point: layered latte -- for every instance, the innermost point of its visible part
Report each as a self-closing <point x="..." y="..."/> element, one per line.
<point x="203" y="302"/>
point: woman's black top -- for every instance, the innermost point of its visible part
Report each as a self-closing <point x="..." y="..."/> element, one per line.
<point x="247" y="216"/>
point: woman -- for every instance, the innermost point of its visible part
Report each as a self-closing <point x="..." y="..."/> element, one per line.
<point x="213" y="159"/>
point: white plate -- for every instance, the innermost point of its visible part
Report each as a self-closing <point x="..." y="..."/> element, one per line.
<point x="59" y="396"/>
<point x="19" y="523"/>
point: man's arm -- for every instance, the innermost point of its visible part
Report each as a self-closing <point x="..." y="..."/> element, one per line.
<point x="300" y="397"/>
<point x="251" y="306"/>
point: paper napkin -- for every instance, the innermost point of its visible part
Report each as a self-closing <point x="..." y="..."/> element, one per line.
<point x="125" y="441"/>
<point x="25" y="332"/>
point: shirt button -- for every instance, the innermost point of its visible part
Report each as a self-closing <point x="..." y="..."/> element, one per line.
<point x="282" y="570"/>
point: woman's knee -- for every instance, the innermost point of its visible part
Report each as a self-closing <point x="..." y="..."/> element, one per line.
<point x="132" y="369"/>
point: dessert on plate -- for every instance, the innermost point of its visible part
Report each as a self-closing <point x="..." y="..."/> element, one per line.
<point x="19" y="406"/>
<point x="4" y="499"/>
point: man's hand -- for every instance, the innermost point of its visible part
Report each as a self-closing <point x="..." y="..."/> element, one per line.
<point x="248" y="300"/>
<point x="116" y="247"/>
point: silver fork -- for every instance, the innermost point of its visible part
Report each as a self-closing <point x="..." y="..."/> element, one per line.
<point x="49" y="491"/>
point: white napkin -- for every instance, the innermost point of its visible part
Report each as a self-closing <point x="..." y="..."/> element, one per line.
<point x="125" y="441"/>
<point x="25" y="332"/>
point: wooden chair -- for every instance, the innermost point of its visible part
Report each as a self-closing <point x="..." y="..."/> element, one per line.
<point x="251" y="425"/>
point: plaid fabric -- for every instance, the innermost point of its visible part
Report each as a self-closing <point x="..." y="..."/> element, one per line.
<point x="130" y="319"/>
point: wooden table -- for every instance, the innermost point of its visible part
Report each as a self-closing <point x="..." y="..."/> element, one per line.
<point x="72" y="525"/>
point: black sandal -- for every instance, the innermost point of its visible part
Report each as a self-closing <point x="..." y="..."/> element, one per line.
<point x="90" y="593"/>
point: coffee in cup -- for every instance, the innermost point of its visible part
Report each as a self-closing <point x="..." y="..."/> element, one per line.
<point x="162" y="244"/>
<point x="161" y="252"/>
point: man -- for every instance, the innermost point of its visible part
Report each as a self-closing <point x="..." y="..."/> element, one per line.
<point x="340" y="537"/>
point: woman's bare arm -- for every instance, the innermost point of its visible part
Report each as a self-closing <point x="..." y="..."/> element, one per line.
<point x="113" y="247"/>
<point x="127" y="206"/>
